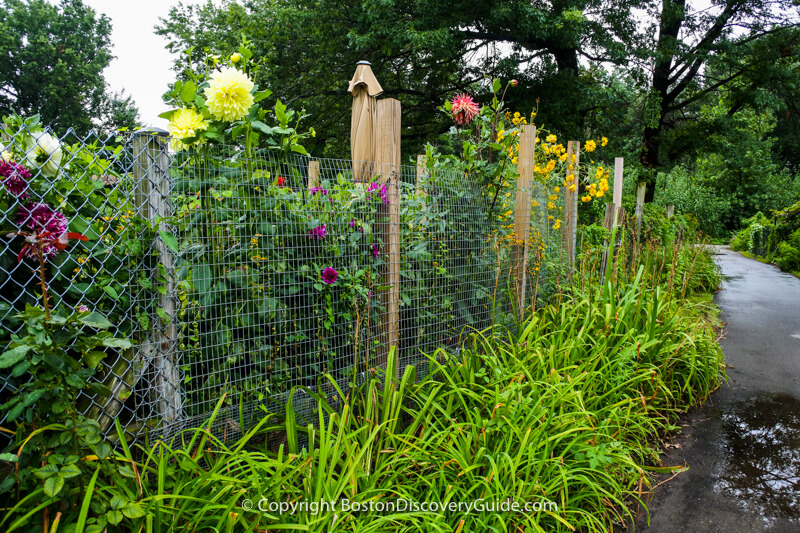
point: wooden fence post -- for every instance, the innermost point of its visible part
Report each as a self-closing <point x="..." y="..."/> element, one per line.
<point x="422" y="190"/>
<point x="670" y="210"/>
<point x="640" y="192"/>
<point x="619" y="163"/>
<point x="571" y="202"/>
<point x="388" y="163"/>
<point x="313" y="174"/>
<point x="151" y="197"/>
<point x="522" y="210"/>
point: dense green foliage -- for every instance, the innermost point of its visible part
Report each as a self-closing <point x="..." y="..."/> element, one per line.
<point x="775" y="239"/>
<point x="561" y="411"/>
<point x="51" y="64"/>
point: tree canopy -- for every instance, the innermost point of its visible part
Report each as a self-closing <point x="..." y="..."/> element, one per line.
<point x="51" y="63"/>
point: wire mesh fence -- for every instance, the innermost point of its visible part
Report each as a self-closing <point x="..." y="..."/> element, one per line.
<point x="242" y="274"/>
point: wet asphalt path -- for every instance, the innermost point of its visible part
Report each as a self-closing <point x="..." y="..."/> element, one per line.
<point x="743" y="445"/>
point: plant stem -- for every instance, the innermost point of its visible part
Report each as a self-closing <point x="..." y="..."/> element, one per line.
<point x="45" y="299"/>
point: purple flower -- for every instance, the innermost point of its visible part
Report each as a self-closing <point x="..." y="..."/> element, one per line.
<point x="315" y="190"/>
<point x="329" y="275"/>
<point x="352" y="223"/>
<point x="381" y="189"/>
<point x="41" y="218"/>
<point x="15" y="178"/>
<point x="319" y="232"/>
<point x="375" y="250"/>
<point x="82" y="308"/>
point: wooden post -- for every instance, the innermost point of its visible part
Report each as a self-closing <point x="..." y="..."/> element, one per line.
<point x="522" y="210"/>
<point x="571" y="202"/>
<point x="422" y="189"/>
<point x="619" y="163"/>
<point x="640" y="192"/>
<point x="670" y="210"/>
<point x="151" y="197"/>
<point x="388" y="163"/>
<point x="313" y="174"/>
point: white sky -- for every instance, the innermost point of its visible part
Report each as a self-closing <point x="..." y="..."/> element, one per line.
<point x="143" y="65"/>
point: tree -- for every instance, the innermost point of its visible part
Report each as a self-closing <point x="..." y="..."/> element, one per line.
<point x="680" y="79"/>
<point x="51" y="62"/>
<point x="422" y="53"/>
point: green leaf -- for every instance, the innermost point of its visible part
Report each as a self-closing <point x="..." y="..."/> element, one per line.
<point x="108" y="289"/>
<point x="260" y="95"/>
<point x="69" y="471"/>
<point x="170" y="240"/>
<point x="93" y="358"/>
<point x="263" y="128"/>
<point x="163" y="315"/>
<point x="95" y="320"/>
<point x="53" y="485"/>
<point x="14" y="355"/>
<point x="496" y="85"/>
<point x="202" y="278"/>
<point x="299" y="149"/>
<point x="188" y="92"/>
<point x="168" y="114"/>
<point x="15" y="411"/>
<point x="280" y="111"/>
<point x="74" y="380"/>
<point x="133" y="511"/>
<point x="9" y="457"/>
<point x="100" y="389"/>
<point x="114" y="517"/>
<point x="112" y="342"/>
<point x="246" y="53"/>
<point x="46" y="471"/>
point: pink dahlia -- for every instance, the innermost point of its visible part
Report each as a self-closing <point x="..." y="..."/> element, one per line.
<point x="329" y="275"/>
<point x="15" y="178"/>
<point x="318" y="233"/>
<point x="47" y="226"/>
<point x="464" y="109"/>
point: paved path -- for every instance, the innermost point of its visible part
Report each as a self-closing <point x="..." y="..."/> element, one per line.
<point x="743" y="445"/>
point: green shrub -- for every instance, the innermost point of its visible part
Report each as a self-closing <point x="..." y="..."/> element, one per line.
<point x="787" y="257"/>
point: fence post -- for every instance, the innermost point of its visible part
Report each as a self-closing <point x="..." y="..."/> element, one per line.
<point x="388" y="162"/>
<point x="422" y="190"/>
<point x="640" y="192"/>
<point x="522" y="210"/>
<point x="151" y="198"/>
<point x="571" y="202"/>
<point x="313" y="174"/>
<point x="670" y="210"/>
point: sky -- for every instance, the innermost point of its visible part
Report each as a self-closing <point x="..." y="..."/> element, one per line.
<point x="143" y="65"/>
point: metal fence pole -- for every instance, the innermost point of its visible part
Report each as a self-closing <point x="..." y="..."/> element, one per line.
<point x="151" y="198"/>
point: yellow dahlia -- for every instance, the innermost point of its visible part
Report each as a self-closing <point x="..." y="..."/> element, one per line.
<point x="228" y="94"/>
<point x="185" y="124"/>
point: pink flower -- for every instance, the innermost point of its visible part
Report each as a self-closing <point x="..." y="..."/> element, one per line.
<point x="15" y="178"/>
<point x="46" y="225"/>
<point x="318" y="233"/>
<point x="464" y="109"/>
<point x="82" y="308"/>
<point x="381" y="190"/>
<point x="376" y="251"/>
<point x="514" y="83"/>
<point x="329" y="275"/>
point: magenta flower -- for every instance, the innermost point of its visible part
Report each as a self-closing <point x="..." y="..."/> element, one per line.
<point x="315" y="190"/>
<point x="82" y="308"/>
<point x="318" y="233"/>
<point x="329" y="275"/>
<point x="464" y="109"/>
<point x="381" y="190"/>
<point x="376" y="251"/>
<point x="352" y="223"/>
<point x="15" y="179"/>
<point x="42" y="220"/>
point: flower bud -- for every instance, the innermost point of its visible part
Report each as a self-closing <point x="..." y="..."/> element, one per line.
<point x="514" y="83"/>
<point x="236" y="57"/>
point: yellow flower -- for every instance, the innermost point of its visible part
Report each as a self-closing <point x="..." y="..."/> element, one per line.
<point x="586" y="198"/>
<point x="228" y="94"/>
<point x="551" y="138"/>
<point x="516" y="115"/>
<point x="604" y="141"/>
<point x="572" y="188"/>
<point x="551" y="205"/>
<point x="184" y="124"/>
<point x="550" y="165"/>
<point x="557" y="225"/>
<point x="556" y="189"/>
<point x="563" y="157"/>
<point x="590" y="146"/>
<point x="600" y="193"/>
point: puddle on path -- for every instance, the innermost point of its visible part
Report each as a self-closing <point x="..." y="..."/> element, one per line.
<point x="762" y="438"/>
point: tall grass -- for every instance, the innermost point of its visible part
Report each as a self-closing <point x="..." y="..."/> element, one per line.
<point x="564" y="409"/>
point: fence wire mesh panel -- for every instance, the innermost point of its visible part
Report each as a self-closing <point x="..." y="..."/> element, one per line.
<point x="246" y="275"/>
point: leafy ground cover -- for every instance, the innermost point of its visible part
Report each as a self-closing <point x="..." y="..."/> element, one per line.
<point x="561" y="411"/>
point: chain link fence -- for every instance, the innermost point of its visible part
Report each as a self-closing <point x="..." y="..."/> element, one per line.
<point x="243" y="274"/>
